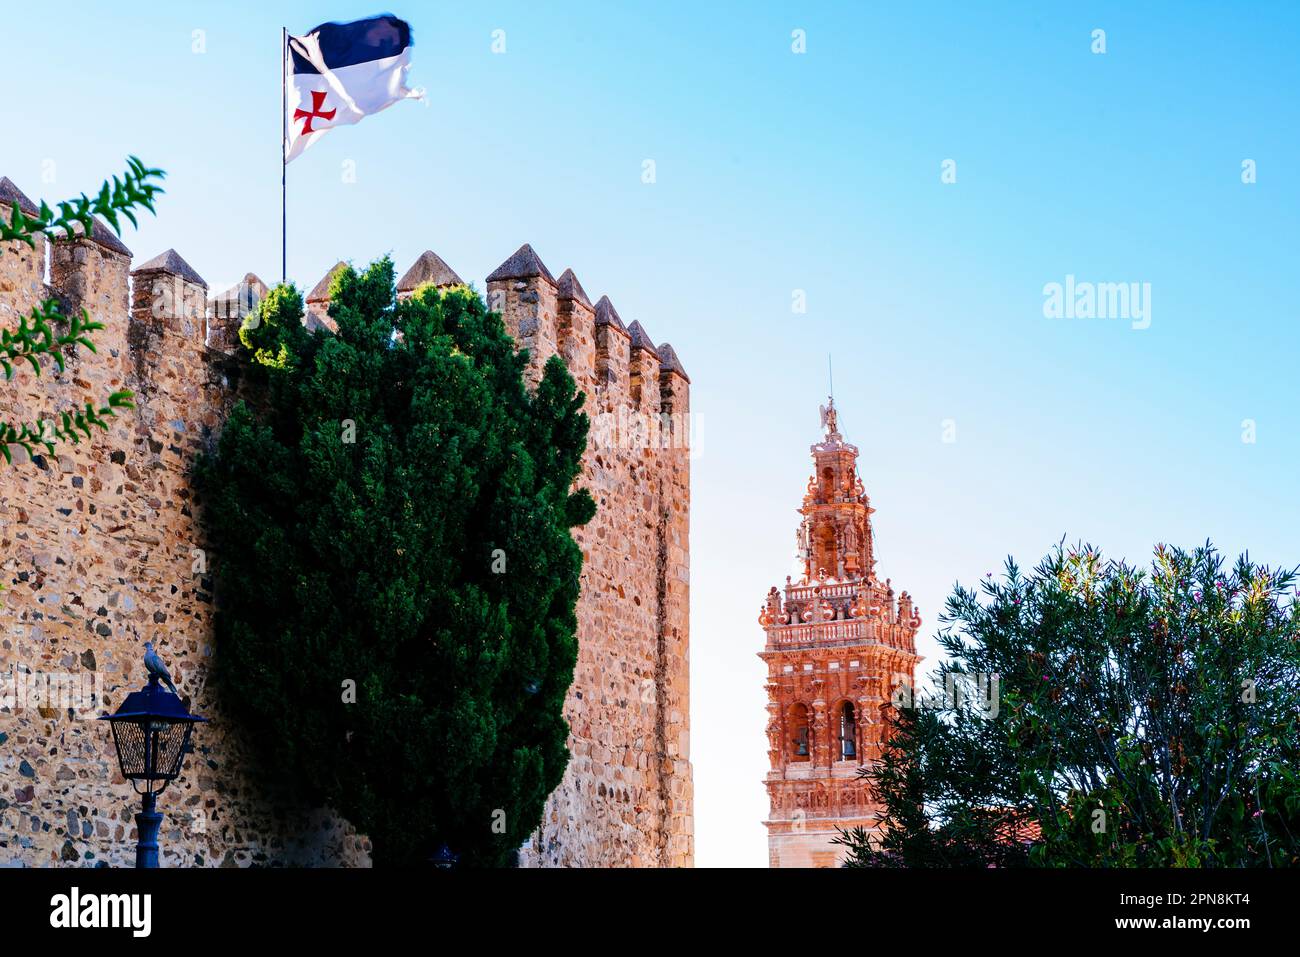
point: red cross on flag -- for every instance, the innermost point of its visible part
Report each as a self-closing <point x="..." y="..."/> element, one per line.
<point x="341" y="72"/>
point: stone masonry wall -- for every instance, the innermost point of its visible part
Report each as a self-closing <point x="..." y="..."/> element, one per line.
<point x="626" y="798"/>
<point x="100" y="551"/>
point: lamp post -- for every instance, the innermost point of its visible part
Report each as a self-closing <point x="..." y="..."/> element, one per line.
<point x="152" y="733"/>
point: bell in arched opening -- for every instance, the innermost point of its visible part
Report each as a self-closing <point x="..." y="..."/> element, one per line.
<point x="800" y="743"/>
<point x="848" y="732"/>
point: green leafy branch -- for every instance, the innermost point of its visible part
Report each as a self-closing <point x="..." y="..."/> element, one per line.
<point x="68" y="426"/>
<point x="35" y="336"/>
<point x="119" y="197"/>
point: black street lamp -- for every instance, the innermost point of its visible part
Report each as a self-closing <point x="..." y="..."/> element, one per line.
<point x="152" y="733"/>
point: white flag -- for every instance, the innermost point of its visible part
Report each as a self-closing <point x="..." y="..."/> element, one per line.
<point x="341" y="72"/>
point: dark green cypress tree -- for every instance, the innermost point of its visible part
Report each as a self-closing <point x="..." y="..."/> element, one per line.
<point x="397" y="514"/>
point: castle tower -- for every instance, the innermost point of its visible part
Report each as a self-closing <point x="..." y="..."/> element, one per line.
<point x="626" y="799"/>
<point x="837" y="641"/>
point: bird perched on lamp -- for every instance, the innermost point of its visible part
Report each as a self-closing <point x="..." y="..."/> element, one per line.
<point x="154" y="665"/>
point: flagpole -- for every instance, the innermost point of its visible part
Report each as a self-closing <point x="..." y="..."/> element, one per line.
<point x="284" y="165"/>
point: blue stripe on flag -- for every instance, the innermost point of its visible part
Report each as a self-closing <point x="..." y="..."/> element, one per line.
<point x="346" y="44"/>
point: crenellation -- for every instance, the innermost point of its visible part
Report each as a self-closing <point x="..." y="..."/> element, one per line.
<point x="11" y="195"/>
<point x="167" y="290"/>
<point x="430" y="269"/>
<point x="88" y="274"/>
<point x="227" y="311"/>
<point x="178" y="405"/>
<point x="24" y="277"/>
<point x="643" y="372"/>
<point x="318" y="301"/>
<point x="577" y="330"/>
<point x="168" y="313"/>
<point x="674" y="383"/>
<point x="523" y="290"/>
<point x="613" y="357"/>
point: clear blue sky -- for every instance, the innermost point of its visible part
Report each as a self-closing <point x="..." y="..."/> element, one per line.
<point x="778" y="172"/>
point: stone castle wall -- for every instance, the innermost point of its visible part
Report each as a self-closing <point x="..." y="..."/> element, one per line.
<point x="626" y="797"/>
<point x="101" y="549"/>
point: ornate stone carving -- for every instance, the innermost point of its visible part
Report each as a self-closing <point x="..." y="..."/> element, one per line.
<point x="830" y="640"/>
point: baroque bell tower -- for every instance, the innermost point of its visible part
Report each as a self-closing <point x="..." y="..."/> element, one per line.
<point x="838" y="640"/>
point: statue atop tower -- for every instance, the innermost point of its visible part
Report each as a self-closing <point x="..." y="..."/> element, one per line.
<point x="838" y="640"/>
<point x="828" y="419"/>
